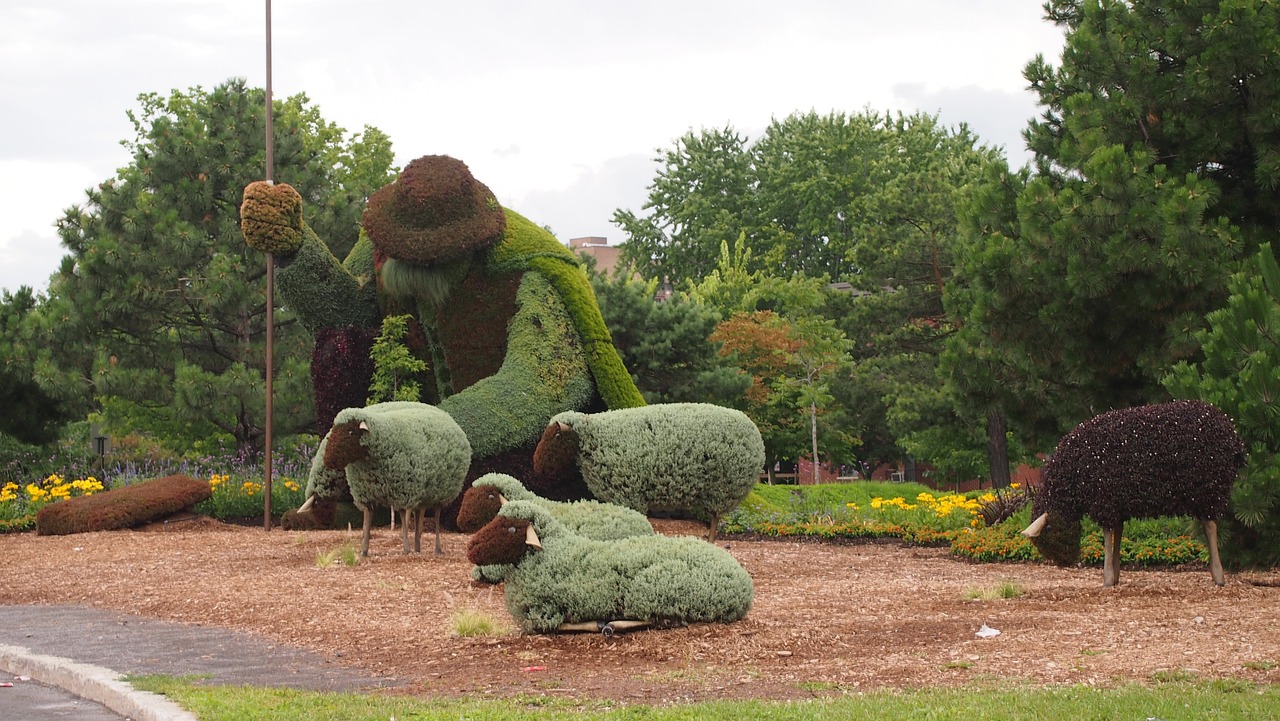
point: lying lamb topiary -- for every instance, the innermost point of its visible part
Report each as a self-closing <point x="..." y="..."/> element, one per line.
<point x="122" y="507"/>
<point x="564" y="582"/>
<point x="670" y="457"/>
<point x="1169" y="459"/>
<point x="404" y="455"/>
<point x="488" y="493"/>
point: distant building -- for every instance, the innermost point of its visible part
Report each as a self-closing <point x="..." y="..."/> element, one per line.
<point x="605" y="255"/>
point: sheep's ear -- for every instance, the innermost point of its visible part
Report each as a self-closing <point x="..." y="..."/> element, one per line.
<point x="531" y="538"/>
<point x="563" y="427"/>
<point x="1036" y="526"/>
<point x="502" y="501"/>
<point x="364" y="426"/>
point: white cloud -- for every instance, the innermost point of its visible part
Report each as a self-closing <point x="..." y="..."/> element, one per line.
<point x="557" y="106"/>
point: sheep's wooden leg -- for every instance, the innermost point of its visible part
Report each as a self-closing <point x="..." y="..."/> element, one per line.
<point x="439" y="550"/>
<point x="404" y="531"/>
<point x="368" y="529"/>
<point x="1111" y="555"/>
<point x="1215" y="561"/>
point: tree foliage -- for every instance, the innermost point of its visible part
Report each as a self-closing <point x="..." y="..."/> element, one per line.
<point x="667" y="345"/>
<point x="158" y="309"/>
<point x="1155" y="173"/>
<point x="1240" y="374"/>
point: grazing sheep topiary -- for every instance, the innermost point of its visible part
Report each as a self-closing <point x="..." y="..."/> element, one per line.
<point x="565" y="582"/>
<point x="404" y="455"/>
<point x="1169" y="459"/>
<point x="488" y="493"/>
<point x="692" y="457"/>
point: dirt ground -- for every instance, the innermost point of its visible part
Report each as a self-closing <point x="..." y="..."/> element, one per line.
<point x="827" y="619"/>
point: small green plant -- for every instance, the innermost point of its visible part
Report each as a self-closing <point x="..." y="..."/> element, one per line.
<point x="1004" y="589"/>
<point x="1177" y="675"/>
<point x="1259" y="665"/>
<point x="954" y="665"/>
<point x="1092" y="651"/>
<point x="345" y="554"/>
<point x="470" y="622"/>
<point x="395" y="369"/>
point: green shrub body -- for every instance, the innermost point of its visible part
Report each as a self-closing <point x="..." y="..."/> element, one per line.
<point x="573" y="579"/>
<point x="414" y="456"/>
<point x="122" y="507"/>
<point x="1167" y="459"/>
<point x="592" y="519"/>
<point x="693" y="457"/>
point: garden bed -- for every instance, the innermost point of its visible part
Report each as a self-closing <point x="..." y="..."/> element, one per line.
<point x="828" y="618"/>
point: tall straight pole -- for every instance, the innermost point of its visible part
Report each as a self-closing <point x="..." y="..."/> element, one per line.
<point x="271" y="302"/>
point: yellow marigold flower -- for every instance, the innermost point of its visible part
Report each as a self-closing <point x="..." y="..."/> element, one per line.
<point x="62" y="491"/>
<point x="877" y="502"/>
<point x="36" y="492"/>
<point x="1015" y="485"/>
<point x="925" y="497"/>
<point x="292" y="485"/>
<point x="854" y="506"/>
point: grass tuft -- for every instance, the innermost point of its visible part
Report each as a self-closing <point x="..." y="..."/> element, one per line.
<point x="1003" y="590"/>
<point x="470" y="622"/>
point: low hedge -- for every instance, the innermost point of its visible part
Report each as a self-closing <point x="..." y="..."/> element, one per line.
<point x="122" y="507"/>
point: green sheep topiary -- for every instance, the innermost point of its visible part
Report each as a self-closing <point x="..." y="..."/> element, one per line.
<point x="564" y="581"/>
<point x="403" y="455"/>
<point x="1166" y="459"/>
<point x="488" y="493"/>
<point x="693" y="457"/>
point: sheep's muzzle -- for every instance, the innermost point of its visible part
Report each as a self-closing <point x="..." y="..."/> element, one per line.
<point x="502" y="540"/>
<point x="480" y="504"/>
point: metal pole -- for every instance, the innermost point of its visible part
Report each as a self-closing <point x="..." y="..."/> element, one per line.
<point x="271" y="302"/>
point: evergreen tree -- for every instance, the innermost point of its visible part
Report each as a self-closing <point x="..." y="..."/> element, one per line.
<point x="1240" y="374"/>
<point x="158" y="311"/>
<point x="1155" y="169"/>
<point x="667" y="345"/>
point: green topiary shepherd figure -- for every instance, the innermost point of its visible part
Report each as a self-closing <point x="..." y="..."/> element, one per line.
<point x="502" y="312"/>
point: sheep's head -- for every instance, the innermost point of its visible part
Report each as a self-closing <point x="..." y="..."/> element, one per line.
<point x="556" y="451"/>
<point x="502" y="540"/>
<point x="345" y="445"/>
<point x="480" y="504"/>
<point x="1055" y="536"/>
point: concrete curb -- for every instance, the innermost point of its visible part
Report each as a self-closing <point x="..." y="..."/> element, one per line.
<point x="91" y="682"/>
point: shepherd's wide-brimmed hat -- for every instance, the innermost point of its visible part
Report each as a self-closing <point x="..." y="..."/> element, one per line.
<point x="436" y="211"/>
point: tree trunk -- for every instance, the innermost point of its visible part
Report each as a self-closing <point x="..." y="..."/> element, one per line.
<point x="813" y="432"/>
<point x="998" y="448"/>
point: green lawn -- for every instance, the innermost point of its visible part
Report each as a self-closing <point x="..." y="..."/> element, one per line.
<point x="1171" y="701"/>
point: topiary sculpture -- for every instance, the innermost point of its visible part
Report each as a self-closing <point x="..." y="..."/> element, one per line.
<point x="503" y="309"/>
<point x="561" y="581"/>
<point x="122" y="507"/>
<point x="1168" y="459"/>
<point x="692" y="457"/>
<point x="404" y="455"/>
<point x="488" y="493"/>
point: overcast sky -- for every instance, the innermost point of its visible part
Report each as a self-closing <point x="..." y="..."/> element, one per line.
<point x="559" y="106"/>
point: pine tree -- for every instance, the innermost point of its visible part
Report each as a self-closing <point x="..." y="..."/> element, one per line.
<point x="158" y="312"/>
<point x="1240" y="374"/>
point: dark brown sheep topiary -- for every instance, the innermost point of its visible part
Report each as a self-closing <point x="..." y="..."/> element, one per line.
<point x="1168" y="459"/>
<point x="122" y="507"/>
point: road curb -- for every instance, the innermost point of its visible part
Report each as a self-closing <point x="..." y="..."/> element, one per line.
<point x="91" y="682"/>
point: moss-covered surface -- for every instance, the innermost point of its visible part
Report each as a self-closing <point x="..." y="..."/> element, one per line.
<point x="543" y="373"/>
<point x="341" y="370"/>
<point x="122" y="507"/>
